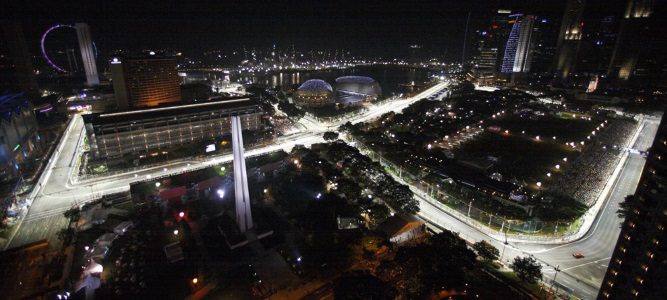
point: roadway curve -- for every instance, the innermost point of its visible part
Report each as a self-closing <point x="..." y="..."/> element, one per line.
<point x="580" y="277"/>
<point x="58" y="190"/>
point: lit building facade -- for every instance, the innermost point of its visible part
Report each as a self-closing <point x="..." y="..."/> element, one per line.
<point x="491" y="42"/>
<point x="112" y="135"/>
<point x="569" y="38"/>
<point x="638" y="266"/>
<point x="314" y="93"/>
<point x="145" y="81"/>
<point x="518" y="50"/>
<point x="354" y="90"/>
<point x="633" y="39"/>
<point x="18" y="134"/>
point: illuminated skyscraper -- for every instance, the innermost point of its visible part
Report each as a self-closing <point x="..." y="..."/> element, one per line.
<point x="519" y="47"/>
<point x="638" y="267"/>
<point x="569" y="38"/>
<point x="87" y="54"/>
<point x="490" y="46"/>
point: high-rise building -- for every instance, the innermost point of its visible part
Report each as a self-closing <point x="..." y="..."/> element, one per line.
<point x="545" y="34"/>
<point x="87" y="54"/>
<point x="490" y="45"/>
<point x="597" y="45"/>
<point x="569" y="38"/>
<point x="633" y="39"/>
<point x="638" y="267"/>
<point x="145" y="81"/>
<point x="518" y="50"/>
<point x="16" y="69"/>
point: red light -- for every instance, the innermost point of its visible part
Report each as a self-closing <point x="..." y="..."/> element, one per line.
<point x="494" y="26"/>
<point x="532" y="17"/>
<point x="581" y="24"/>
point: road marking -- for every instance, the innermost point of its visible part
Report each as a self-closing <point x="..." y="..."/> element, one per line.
<point x="585" y="264"/>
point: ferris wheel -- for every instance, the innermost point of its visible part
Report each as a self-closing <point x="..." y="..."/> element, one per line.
<point x="61" y="27"/>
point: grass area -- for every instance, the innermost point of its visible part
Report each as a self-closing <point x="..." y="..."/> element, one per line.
<point x="5" y="232"/>
<point x="488" y="287"/>
<point x="565" y="130"/>
<point x="572" y="115"/>
<point x="534" y="288"/>
<point x="517" y="157"/>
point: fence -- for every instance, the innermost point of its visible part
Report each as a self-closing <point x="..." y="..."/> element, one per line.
<point x="465" y="210"/>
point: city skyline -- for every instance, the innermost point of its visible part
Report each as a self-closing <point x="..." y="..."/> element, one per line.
<point x="504" y="149"/>
<point x="372" y="31"/>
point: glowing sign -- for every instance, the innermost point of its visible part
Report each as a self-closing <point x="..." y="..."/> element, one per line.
<point x="210" y="148"/>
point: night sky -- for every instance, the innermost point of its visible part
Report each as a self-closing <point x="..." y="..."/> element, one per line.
<point x="372" y="28"/>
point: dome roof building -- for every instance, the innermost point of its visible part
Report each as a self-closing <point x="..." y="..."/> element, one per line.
<point x="314" y="93"/>
<point x="356" y="89"/>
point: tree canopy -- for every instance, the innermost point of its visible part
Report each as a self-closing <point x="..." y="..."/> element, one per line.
<point x="527" y="269"/>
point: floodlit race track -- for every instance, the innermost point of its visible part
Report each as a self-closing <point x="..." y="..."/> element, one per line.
<point x="59" y="189"/>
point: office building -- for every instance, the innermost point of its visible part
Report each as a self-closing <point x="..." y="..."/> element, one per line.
<point x="18" y="135"/>
<point x="634" y="39"/>
<point x="545" y="34"/>
<point x="597" y="45"/>
<point x="16" y="69"/>
<point x="156" y="129"/>
<point x="87" y="55"/>
<point x="569" y="38"/>
<point x="518" y="50"/>
<point x="638" y="266"/>
<point x="145" y="81"/>
<point x="491" y="41"/>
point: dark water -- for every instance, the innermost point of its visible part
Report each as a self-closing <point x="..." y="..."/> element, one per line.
<point x="391" y="78"/>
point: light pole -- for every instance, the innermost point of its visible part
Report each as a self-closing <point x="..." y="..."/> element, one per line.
<point x="504" y="246"/>
<point x="556" y="228"/>
<point x="557" y="269"/>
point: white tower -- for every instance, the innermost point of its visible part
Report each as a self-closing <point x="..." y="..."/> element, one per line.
<point x="87" y="54"/>
<point x="243" y="214"/>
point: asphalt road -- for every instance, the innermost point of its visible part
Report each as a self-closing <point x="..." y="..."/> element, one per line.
<point x="59" y="190"/>
<point x="580" y="277"/>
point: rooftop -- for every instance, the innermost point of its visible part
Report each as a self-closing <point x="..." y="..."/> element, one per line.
<point x="315" y="85"/>
<point x="354" y="79"/>
<point x="239" y="105"/>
